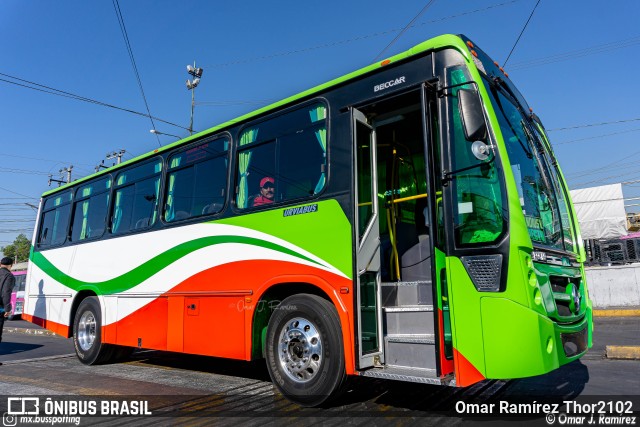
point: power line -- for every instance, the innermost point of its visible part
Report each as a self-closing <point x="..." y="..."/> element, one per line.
<point x="593" y="125"/>
<point x="595" y="137"/>
<point x="62" y="93"/>
<point x="16" y="193"/>
<point x="22" y="171"/>
<point x="424" y="9"/>
<point x="123" y="29"/>
<point x="521" y="32"/>
<point x="40" y="159"/>
<point x="357" y="38"/>
<point x="592" y="50"/>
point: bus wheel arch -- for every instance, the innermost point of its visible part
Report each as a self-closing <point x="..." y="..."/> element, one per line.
<point x="266" y="305"/>
<point x="80" y="296"/>
<point x="305" y="350"/>
<point x="87" y="333"/>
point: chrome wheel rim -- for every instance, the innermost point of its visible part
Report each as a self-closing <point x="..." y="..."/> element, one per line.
<point x="300" y="350"/>
<point x="86" y="330"/>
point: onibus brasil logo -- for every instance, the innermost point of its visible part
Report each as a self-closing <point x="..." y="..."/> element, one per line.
<point x="33" y="410"/>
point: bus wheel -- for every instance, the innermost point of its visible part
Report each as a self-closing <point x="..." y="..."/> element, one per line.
<point x="87" y="334"/>
<point x="305" y="354"/>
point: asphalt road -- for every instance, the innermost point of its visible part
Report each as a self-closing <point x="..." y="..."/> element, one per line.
<point x="241" y="393"/>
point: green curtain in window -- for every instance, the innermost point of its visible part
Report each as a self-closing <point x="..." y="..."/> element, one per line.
<point x="84" y="232"/>
<point x="117" y="212"/>
<point x="248" y="136"/>
<point x="155" y="203"/>
<point x="321" y="136"/>
<point x="318" y="113"/>
<point x="170" y="210"/>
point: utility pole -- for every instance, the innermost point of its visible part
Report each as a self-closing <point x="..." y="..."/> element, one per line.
<point x="100" y="166"/>
<point x="59" y="181"/>
<point x="68" y="172"/>
<point x="191" y="85"/>
<point x="116" y="155"/>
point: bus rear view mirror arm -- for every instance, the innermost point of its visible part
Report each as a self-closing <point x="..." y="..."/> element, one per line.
<point x="448" y="176"/>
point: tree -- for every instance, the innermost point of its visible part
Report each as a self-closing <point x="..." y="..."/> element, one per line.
<point x="19" y="249"/>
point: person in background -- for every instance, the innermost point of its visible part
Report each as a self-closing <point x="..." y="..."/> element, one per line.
<point x="267" y="192"/>
<point x="7" y="282"/>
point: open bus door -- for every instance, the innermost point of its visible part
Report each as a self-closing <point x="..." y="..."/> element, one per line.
<point x="401" y="321"/>
<point x="368" y="244"/>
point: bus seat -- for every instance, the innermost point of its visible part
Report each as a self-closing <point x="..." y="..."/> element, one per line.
<point x="251" y="199"/>
<point x="181" y="215"/>
<point x="406" y="236"/>
<point x="212" y="208"/>
<point x="142" y="223"/>
<point x="415" y="263"/>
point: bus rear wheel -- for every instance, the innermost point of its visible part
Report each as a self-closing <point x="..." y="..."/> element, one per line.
<point x="87" y="334"/>
<point x="305" y="353"/>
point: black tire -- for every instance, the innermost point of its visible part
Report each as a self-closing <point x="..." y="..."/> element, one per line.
<point x="87" y="334"/>
<point x="308" y="373"/>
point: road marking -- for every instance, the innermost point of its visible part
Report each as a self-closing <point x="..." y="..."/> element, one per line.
<point x="29" y="331"/>
<point x="616" y="313"/>
<point x="623" y="352"/>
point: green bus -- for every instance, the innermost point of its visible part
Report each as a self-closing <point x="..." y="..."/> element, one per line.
<point x="406" y="221"/>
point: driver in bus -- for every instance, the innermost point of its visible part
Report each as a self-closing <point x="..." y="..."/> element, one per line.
<point x="267" y="192"/>
<point x="7" y="282"/>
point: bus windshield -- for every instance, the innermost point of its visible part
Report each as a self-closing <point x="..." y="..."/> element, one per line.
<point x="541" y="197"/>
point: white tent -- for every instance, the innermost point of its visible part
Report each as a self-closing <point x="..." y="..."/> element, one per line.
<point x="600" y="211"/>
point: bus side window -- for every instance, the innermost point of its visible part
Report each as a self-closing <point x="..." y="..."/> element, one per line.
<point x="291" y="150"/>
<point x="90" y="210"/>
<point x="136" y="198"/>
<point x="55" y="220"/>
<point x="196" y="181"/>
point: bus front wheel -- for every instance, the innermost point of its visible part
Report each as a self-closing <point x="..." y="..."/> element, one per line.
<point x="87" y="333"/>
<point x="305" y="353"/>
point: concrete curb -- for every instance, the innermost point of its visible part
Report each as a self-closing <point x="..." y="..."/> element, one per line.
<point x="28" y="331"/>
<point x="617" y="312"/>
<point x="623" y="352"/>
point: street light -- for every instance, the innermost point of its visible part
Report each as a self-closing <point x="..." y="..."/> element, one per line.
<point x="191" y="85"/>
<point x="156" y="132"/>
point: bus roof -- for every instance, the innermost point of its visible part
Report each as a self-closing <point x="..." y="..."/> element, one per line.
<point x="446" y="40"/>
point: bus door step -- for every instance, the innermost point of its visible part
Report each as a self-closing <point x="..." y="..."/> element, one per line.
<point x="398" y="294"/>
<point x="409" y="320"/>
<point x="415" y="375"/>
<point x="410" y="351"/>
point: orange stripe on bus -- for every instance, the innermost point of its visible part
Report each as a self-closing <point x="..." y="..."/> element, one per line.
<point x="466" y="373"/>
<point x="54" y="327"/>
<point x="211" y="324"/>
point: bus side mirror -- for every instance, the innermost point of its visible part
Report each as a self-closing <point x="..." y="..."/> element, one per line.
<point x="475" y="127"/>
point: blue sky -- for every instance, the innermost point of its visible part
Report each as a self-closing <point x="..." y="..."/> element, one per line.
<point x="576" y="64"/>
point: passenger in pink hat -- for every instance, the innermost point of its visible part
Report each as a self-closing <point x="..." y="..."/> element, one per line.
<point x="267" y="192"/>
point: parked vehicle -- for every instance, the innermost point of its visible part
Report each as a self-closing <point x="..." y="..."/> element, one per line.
<point x="17" y="296"/>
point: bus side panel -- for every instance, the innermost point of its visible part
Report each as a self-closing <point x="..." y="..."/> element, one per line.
<point x="466" y="325"/>
<point x="147" y="327"/>
<point x="47" y="301"/>
<point x="214" y="326"/>
<point x="324" y="237"/>
<point x="518" y="341"/>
